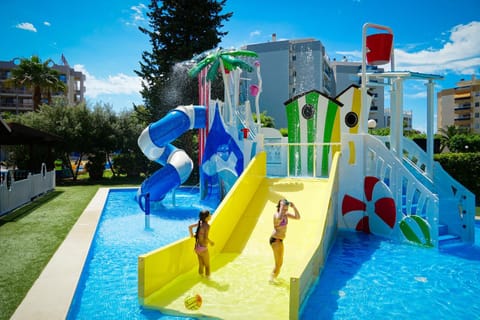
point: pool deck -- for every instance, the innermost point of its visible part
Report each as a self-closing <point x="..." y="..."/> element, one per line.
<point x="51" y="295"/>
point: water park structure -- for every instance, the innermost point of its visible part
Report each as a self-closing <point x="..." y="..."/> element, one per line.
<point x="338" y="175"/>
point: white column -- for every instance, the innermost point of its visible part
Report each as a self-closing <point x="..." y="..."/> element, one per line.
<point x="430" y="138"/>
<point x="396" y="121"/>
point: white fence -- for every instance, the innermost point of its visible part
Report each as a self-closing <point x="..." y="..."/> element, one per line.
<point x="14" y="194"/>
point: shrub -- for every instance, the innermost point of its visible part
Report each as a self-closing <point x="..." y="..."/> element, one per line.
<point x="464" y="167"/>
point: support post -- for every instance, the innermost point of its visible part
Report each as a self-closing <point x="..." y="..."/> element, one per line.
<point x="430" y="139"/>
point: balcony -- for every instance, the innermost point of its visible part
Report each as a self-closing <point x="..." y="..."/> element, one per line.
<point x="462" y="96"/>
<point x="16" y="108"/>
<point x="463" y="121"/>
<point x="15" y="91"/>
<point x="463" y="110"/>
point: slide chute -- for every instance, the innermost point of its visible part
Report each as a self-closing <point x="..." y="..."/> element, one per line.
<point x="155" y="143"/>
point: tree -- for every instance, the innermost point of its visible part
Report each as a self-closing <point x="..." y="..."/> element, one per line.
<point x="446" y="134"/>
<point x="97" y="134"/>
<point x="175" y="36"/>
<point x="39" y="77"/>
<point x="178" y="30"/>
<point x="266" y="121"/>
<point x="464" y="143"/>
<point x="129" y="159"/>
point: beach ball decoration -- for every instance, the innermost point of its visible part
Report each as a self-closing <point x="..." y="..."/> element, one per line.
<point x="417" y="230"/>
<point x="377" y="214"/>
<point x="193" y="302"/>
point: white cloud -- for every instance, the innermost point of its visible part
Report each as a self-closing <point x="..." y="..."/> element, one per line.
<point x="113" y="84"/>
<point x="26" y="26"/>
<point x="459" y="54"/>
<point x="138" y="15"/>
<point x="46" y="23"/>
<point x="351" y="55"/>
<point x="255" y="33"/>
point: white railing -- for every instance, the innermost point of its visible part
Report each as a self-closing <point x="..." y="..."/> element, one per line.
<point x="279" y="158"/>
<point x="411" y="196"/>
<point x="457" y="203"/>
<point x="14" y="194"/>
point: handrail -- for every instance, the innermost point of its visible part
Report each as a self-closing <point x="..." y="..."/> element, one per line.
<point x="411" y="196"/>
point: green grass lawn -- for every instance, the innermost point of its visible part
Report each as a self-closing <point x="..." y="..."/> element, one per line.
<point x="29" y="236"/>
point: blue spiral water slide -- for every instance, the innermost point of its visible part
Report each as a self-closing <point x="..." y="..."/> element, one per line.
<point x="155" y="143"/>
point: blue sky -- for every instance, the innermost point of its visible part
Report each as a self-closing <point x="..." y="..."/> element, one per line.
<point x="101" y="38"/>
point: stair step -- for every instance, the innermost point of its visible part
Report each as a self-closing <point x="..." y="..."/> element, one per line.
<point x="448" y="239"/>
<point x="442" y="229"/>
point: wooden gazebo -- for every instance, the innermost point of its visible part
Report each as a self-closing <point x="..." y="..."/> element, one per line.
<point x="13" y="133"/>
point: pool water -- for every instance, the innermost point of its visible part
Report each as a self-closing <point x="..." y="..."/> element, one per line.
<point x="108" y="286"/>
<point x="364" y="276"/>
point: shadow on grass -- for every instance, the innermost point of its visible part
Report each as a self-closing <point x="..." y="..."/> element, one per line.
<point x="107" y="182"/>
<point x="25" y="210"/>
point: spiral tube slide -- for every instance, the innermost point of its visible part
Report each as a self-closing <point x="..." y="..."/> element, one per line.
<point x="155" y="144"/>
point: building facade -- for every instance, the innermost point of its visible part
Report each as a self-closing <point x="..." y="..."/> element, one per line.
<point x="288" y="68"/>
<point x="407" y="119"/>
<point x="460" y="106"/>
<point x="18" y="100"/>
<point x="348" y="73"/>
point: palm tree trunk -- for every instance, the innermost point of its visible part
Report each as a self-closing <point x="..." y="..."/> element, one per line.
<point x="37" y="97"/>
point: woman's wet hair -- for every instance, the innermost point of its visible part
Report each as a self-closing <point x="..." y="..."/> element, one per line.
<point x="201" y="219"/>
<point x="285" y="202"/>
<point x="203" y="215"/>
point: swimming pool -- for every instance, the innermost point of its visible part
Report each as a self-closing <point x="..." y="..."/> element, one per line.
<point x="108" y="286"/>
<point x="366" y="277"/>
<point x="361" y="278"/>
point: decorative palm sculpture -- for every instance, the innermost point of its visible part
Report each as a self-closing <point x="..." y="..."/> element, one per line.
<point x="225" y="61"/>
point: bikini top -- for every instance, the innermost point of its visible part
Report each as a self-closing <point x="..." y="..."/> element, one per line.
<point x="283" y="222"/>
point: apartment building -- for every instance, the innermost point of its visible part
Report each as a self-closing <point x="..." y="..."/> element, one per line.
<point x="18" y="100"/>
<point x="460" y="106"/>
<point x="407" y="119"/>
<point x="347" y="73"/>
<point x="288" y="68"/>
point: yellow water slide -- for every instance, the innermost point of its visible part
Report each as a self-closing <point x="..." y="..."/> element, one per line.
<point x="242" y="259"/>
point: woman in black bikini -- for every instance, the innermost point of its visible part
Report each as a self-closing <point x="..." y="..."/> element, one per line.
<point x="280" y="221"/>
<point x="202" y="241"/>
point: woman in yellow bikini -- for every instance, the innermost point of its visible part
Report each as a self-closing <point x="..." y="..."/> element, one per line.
<point x="280" y="221"/>
<point x="202" y="241"/>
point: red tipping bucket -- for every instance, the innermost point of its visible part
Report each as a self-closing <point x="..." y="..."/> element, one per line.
<point x="379" y="48"/>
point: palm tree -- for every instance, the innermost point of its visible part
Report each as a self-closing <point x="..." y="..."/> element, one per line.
<point x="39" y="77"/>
<point x="446" y="134"/>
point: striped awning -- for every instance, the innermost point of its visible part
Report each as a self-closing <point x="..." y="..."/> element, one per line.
<point x="462" y="95"/>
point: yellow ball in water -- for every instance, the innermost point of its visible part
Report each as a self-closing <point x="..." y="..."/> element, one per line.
<point x="193" y="302"/>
